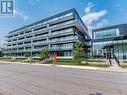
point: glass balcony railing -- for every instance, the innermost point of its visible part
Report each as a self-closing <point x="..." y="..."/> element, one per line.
<point x="47" y="28"/>
<point x="52" y="40"/>
<point x="40" y="42"/>
<point x="61" y="48"/>
<point x="58" y="18"/>
<point x="62" y="24"/>
<point x="62" y="31"/>
<point x="64" y="39"/>
<point x="57" y="25"/>
<point x="38" y="49"/>
<point x="43" y="23"/>
<point x="41" y="36"/>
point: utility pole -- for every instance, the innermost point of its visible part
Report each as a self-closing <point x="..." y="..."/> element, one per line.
<point x="31" y="47"/>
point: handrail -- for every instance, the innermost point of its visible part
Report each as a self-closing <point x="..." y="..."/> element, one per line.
<point x="117" y="60"/>
<point x="110" y="62"/>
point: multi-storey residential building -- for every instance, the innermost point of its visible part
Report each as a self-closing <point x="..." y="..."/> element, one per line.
<point x="58" y="33"/>
<point x="109" y="41"/>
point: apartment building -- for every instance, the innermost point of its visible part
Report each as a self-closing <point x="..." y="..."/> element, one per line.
<point x="58" y="33"/>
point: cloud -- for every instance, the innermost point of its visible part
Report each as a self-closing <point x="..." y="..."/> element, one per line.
<point x="88" y="8"/>
<point x="103" y="23"/>
<point x="91" y="16"/>
<point x="22" y="15"/>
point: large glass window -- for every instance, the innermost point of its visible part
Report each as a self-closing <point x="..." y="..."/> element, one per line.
<point x="106" y="33"/>
<point x="118" y="47"/>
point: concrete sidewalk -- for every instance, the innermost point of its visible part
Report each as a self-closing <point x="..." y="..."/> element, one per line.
<point x="108" y="69"/>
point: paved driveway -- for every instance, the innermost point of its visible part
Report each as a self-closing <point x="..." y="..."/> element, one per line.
<point x="23" y="79"/>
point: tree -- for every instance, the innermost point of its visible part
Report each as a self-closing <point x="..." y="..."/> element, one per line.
<point x="78" y="51"/>
<point x="43" y="53"/>
<point x="9" y="54"/>
<point x="1" y="54"/>
<point x="27" y="54"/>
<point x="93" y="51"/>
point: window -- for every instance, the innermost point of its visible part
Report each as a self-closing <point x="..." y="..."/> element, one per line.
<point x="106" y="33"/>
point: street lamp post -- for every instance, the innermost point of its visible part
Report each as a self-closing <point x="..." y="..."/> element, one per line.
<point x="31" y="48"/>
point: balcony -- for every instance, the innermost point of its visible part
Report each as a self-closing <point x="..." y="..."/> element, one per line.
<point x="40" y="37"/>
<point x="60" y="48"/>
<point x="54" y="27"/>
<point x="59" y="19"/>
<point x="40" y="43"/>
<point x="62" y="20"/>
<point x="63" y="39"/>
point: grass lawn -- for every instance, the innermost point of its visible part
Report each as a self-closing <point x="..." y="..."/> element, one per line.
<point x="58" y="62"/>
<point x="20" y="60"/>
<point x="65" y="62"/>
<point x="72" y="62"/>
<point x="91" y="65"/>
<point x="124" y="65"/>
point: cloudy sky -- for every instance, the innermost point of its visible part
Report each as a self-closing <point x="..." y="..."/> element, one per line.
<point x="94" y="13"/>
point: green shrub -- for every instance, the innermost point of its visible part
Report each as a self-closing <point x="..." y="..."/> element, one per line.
<point x="49" y="61"/>
<point x="43" y="53"/>
<point x="73" y="62"/>
<point x="27" y="54"/>
<point x="67" y="61"/>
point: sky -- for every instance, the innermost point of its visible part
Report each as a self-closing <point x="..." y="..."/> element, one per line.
<point x="94" y="13"/>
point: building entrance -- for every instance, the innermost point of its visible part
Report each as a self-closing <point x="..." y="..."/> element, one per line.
<point x="108" y="51"/>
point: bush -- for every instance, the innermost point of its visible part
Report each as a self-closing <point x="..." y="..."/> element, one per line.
<point x="43" y="53"/>
<point x="49" y="62"/>
<point x="67" y="62"/>
<point x="73" y="62"/>
<point x="27" y="54"/>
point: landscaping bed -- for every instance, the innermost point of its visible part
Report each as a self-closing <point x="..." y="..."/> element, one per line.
<point x="73" y="62"/>
<point x="90" y="63"/>
<point x="20" y="60"/>
<point x="123" y="65"/>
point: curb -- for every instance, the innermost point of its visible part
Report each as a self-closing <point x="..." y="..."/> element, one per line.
<point x="87" y="68"/>
<point x="117" y="70"/>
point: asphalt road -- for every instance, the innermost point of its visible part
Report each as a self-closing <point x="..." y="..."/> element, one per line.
<point x="22" y="79"/>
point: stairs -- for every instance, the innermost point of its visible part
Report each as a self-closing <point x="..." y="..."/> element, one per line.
<point x="114" y="65"/>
